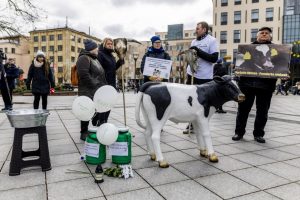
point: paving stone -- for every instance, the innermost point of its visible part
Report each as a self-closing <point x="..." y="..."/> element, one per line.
<point x="196" y="169"/>
<point x="259" y="178"/>
<point x="62" y="149"/>
<point x="293" y="149"/>
<point x="257" y="196"/>
<point x="228" y="150"/>
<point x="4" y="149"/>
<point x="294" y="162"/>
<point x="284" y="170"/>
<point x="113" y="185"/>
<point x="32" y="193"/>
<point x="183" y="144"/>
<point x="147" y="193"/>
<point x="177" y="157"/>
<point x="252" y="159"/>
<point x="138" y="151"/>
<point x="157" y="176"/>
<point x="186" y="190"/>
<point x="65" y="159"/>
<point x="286" y="192"/>
<point x="25" y="179"/>
<point x="227" y="163"/>
<point x="143" y="162"/>
<point x="84" y="188"/>
<point x="164" y="148"/>
<point x="248" y="146"/>
<point x="275" y="154"/>
<point x="226" y="185"/>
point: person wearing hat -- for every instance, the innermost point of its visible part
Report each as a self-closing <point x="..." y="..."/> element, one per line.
<point x="40" y="80"/>
<point x="155" y="51"/>
<point x="257" y="88"/>
<point x="91" y="76"/>
<point x="7" y="83"/>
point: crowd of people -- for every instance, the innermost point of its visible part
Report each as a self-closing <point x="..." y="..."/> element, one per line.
<point x="97" y="66"/>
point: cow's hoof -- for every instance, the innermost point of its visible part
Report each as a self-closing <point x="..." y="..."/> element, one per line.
<point x="203" y="153"/>
<point x="213" y="158"/>
<point x="153" y="156"/>
<point x="163" y="164"/>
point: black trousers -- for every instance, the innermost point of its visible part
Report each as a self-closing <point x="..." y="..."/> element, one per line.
<point x="36" y="101"/>
<point x="196" y="81"/>
<point x="263" y="101"/>
<point x="97" y="120"/>
<point x="7" y="97"/>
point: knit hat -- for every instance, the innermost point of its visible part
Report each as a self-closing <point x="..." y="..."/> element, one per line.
<point x="219" y="60"/>
<point x="155" y="38"/>
<point x="40" y="53"/>
<point x="90" y="45"/>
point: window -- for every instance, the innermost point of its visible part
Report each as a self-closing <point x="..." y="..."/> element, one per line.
<point x="35" y="38"/>
<point x="269" y="0"/>
<point x="51" y="48"/>
<point x="59" y="47"/>
<point x="78" y="50"/>
<point x="60" y="80"/>
<point x="224" y="18"/>
<point x="269" y="14"/>
<point x="79" y="40"/>
<point x="43" y="38"/>
<point x="73" y="37"/>
<point x="223" y="53"/>
<point x="13" y="50"/>
<point x="289" y="10"/>
<point x="72" y="48"/>
<point x="44" y="49"/>
<point x="51" y="58"/>
<point x="224" y="2"/>
<point x="237" y="2"/>
<point x="5" y="50"/>
<point x="255" y="1"/>
<point x="35" y="49"/>
<point x="60" y="69"/>
<point x="237" y="17"/>
<point x="223" y="37"/>
<point x="186" y="35"/>
<point x="236" y="36"/>
<point x="59" y="58"/>
<point x="254" y="15"/>
<point x="72" y="59"/>
<point x="59" y="37"/>
<point x="51" y="37"/>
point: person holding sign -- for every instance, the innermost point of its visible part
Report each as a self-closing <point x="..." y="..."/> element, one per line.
<point x="155" y="51"/>
<point x="259" y="88"/>
<point x="207" y="50"/>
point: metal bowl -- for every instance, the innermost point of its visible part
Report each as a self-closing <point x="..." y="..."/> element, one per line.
<point x="26" y="118"/>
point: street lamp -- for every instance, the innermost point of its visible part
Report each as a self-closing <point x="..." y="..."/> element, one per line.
<point x="135" y="57"/>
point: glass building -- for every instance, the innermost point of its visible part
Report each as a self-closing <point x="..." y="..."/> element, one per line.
<point x="291" y="21"/>
<point x="175" y="32"/>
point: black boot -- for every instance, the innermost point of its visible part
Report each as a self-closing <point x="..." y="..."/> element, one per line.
<point x="83" y="135"/>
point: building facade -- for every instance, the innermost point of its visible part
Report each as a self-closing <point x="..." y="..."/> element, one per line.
<point x="62" y="47"/>
<point x="237" y="22"/>
<point x="291" y="21"/>
<point x="18" y="48"/>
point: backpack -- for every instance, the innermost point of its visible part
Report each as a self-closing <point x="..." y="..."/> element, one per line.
<point x="74" y="76"/>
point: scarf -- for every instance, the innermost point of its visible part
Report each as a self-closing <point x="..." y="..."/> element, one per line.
<point x="37" y="63"/>
<point x="152" y="49"/>
<point x="202" y="37"/>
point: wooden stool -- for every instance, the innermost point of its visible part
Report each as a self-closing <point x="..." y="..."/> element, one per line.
<point x="17" y="162"/>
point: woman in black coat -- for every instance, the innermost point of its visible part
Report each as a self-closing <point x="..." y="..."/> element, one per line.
<point x="40" y="78"/>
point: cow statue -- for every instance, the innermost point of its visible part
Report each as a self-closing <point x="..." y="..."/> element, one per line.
<point x="160" y="102"/>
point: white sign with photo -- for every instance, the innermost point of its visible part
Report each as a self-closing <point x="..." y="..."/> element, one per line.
<point x="157" y="67"/>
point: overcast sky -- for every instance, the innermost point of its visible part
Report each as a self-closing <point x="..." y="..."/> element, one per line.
<point x="137" y="19"/>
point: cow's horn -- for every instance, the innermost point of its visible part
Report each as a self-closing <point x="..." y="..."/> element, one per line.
<point x="133" y="40"/>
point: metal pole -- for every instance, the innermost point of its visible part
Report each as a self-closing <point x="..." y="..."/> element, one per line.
<point x="123" y="91"/>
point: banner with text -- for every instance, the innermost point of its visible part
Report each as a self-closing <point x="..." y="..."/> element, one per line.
<point x="157" y="67"/>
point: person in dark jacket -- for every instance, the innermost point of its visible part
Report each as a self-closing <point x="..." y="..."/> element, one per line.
<point x="40" y="78"/>
<point x="91" y="76"/>
<point x="220" y="70"/>
<point x="110" y="66"/>
<point x="155" y="51"/>
<point x="7" y="83"/>
<point x="259" y="88"/>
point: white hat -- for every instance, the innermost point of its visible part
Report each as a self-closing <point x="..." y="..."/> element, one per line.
<point x="40" y="53"/>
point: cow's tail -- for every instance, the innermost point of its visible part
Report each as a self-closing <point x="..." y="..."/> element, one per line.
<point x="138" y="105"/>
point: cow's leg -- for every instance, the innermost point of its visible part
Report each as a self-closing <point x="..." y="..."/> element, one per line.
<point x="156" y="144"/>
<point x="148" y="139"/>
<point x="204" y="130"/>
<point x="200" y="139"/>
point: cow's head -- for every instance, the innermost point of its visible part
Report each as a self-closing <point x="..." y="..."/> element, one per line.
<point x="229" y="88"/>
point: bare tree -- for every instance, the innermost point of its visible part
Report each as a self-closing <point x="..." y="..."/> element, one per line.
<point x="14" y="14"/>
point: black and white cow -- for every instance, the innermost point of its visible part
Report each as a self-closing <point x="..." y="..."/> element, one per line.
<point x="160" y="102"/>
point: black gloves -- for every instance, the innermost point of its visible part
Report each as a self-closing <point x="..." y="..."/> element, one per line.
<point x="198" y="50"/>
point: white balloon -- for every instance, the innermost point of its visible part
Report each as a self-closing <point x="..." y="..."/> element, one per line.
<point x="107" y="134"/>
<point x="83" y="108"/>
<point x="105" y="98"/>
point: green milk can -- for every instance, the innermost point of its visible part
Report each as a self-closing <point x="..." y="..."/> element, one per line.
<point x="121" y="149"/>
<point x="95" y="153"/>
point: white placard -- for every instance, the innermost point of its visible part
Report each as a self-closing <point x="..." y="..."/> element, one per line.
<point x="118" y="149"/>
<point x="157" y="67"/>
<point x="91" y="149"/>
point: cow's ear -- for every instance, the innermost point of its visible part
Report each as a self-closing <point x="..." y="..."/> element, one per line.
<point x="219" y="80"/>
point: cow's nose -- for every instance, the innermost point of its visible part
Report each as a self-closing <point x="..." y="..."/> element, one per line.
<point x="241" y="98"/>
